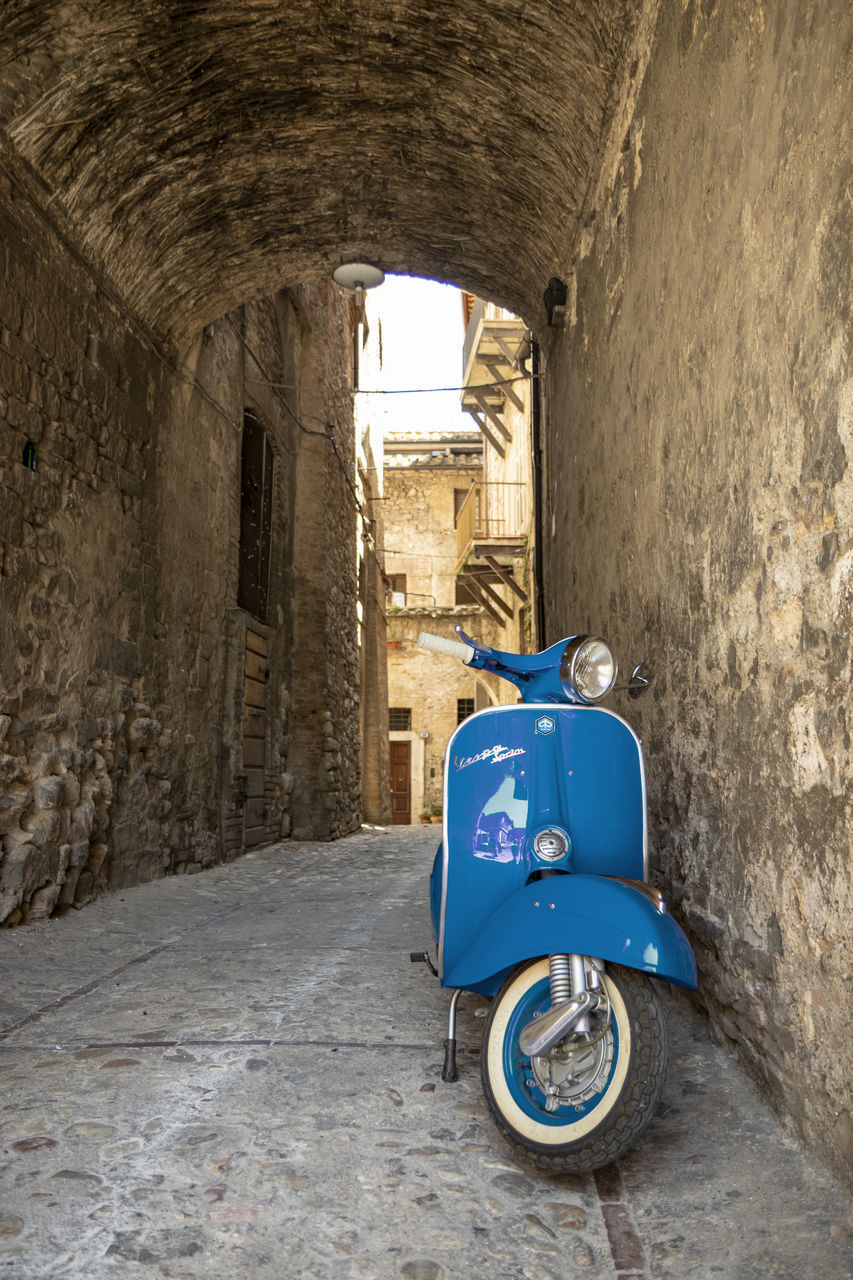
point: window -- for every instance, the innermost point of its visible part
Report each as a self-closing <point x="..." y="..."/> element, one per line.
<point x="396" y="593"/>
<point x="459" y="496"/>
<point x="256" y="471"/>
<point x="399" y="719"/>
<point x="464" y="709"/>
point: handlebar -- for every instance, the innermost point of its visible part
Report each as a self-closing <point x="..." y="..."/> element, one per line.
<point x="537" y="676"/>
<point x="450" y="648"/>
<point x="557" y="674"/>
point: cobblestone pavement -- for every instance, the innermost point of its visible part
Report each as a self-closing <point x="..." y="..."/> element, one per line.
<point x="237" y="1074"/>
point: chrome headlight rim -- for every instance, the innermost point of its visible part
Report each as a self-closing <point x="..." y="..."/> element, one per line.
<point x="551" y="835"/>
<point x="573" y="657"/>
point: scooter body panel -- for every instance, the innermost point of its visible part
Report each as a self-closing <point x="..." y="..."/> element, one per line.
<point x="587" y="915"/>
<point x="510" y="773"/>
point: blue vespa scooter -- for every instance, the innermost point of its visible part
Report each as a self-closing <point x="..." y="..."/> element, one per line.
<point x="539" y="899"/>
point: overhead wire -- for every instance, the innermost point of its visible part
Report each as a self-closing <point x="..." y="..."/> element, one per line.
<point x="407" y="391"/>
<point x="424" y="391"/>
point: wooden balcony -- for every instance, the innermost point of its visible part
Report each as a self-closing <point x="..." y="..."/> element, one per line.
<point x="488" y="527"/>
<point x="493" y="352"/>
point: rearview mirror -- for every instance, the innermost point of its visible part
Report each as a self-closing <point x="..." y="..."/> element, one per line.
<point x="641" y="679"/>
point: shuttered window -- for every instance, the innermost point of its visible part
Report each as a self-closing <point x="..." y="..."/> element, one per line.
<point x="256" y="490"/>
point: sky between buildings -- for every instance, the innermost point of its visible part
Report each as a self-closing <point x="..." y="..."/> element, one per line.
<point x="422" y="336"/>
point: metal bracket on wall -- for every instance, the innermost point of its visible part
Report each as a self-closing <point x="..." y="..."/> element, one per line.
<point x="492" y="439"/>
<point x="477" y="591"/>
<point x="506" y="578"/>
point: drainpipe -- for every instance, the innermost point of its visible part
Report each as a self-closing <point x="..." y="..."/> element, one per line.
<point x="538" y="495"/>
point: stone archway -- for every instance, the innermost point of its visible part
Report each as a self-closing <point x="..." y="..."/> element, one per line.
<point x="205" y="153"/>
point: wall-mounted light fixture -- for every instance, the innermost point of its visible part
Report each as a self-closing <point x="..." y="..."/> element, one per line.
<point x="358" y="276"/>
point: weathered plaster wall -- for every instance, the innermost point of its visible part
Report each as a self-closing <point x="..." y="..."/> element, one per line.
<point x="430" y="684"/>
<point x="419" y="526"/>
<point x="700" y="496"/>
<point x="121" y="647"/>
<point x="373" y="633"/>
<point x="420" y="536"/>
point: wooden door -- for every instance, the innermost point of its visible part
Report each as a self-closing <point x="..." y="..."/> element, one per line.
<point x="256" y="675"/>
<point x="256" y="486"/>
<point x="401" y="783"/>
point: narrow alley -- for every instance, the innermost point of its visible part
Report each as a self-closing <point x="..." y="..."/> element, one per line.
<point x="237" y="1074"/>
<point x="216" y="557"/>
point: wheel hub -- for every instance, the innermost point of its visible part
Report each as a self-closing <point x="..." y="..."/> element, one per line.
<point x="578" y="1068"/>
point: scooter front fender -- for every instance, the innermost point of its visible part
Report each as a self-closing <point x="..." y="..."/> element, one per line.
<point x="575" y="914"/>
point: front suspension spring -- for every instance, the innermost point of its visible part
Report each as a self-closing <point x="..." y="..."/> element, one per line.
<point x="561" y="980"/>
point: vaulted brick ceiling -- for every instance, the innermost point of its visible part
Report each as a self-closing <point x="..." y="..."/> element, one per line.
<point x="206" y="152"/>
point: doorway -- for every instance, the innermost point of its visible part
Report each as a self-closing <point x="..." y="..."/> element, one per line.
<point x="255" y="676"/>
<point x="401" y="783"/>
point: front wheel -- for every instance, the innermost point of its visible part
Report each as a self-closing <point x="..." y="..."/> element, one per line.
<point x="582" y="1105"/>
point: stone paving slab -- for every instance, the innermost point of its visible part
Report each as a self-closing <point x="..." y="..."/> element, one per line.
<point x="238" y="1074"/>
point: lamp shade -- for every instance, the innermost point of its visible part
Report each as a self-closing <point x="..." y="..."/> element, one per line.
<point x="358" y="275"/>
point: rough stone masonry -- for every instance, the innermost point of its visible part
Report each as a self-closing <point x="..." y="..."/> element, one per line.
<point x="122" y="649"/>
<point x="700" y="506"/>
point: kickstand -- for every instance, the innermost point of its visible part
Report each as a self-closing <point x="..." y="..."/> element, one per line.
<point x="448" y="1071"/>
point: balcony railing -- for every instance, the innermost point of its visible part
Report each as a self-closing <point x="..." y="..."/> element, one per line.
<point x="491" y="513"/>
<point x="478" y="312"/>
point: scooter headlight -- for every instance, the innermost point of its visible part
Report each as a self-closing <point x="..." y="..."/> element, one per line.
<point x="588" y="668"/>
<point x="551" y="845"/>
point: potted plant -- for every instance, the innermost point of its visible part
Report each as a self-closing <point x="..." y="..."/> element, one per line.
<point x="425" y="817"/>
<point x="436" y="813"/>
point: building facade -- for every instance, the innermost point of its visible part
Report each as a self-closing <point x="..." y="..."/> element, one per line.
<point x="179" y="650"/>
<point x="459" y="540"/>
<point x="372" y="622"/>
<point x="496" y="545"/>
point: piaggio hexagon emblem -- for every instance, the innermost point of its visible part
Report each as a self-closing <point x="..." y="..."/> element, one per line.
<point x="546" y="724"/>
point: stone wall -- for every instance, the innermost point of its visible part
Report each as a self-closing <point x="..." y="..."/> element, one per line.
<point x="121" y="647"/>
<point x="700" y="493"/>
<point x="429" y="684"/>
<point x="419" y="529"/>
<point x="325" y="747"/>
<point x="373" y="633"/>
